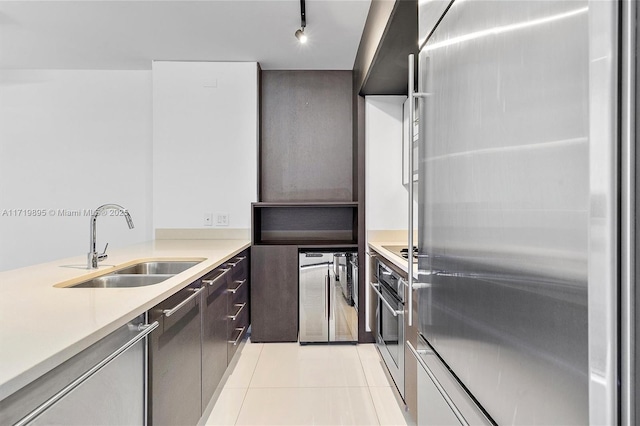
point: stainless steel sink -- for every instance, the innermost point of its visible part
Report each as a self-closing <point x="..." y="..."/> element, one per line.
<point x="157" y="267"/>
<point x="138" y="275"/>
<point x="122" y="280"/>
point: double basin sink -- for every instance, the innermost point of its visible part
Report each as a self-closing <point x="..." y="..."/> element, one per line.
<point x="138" y="274"/>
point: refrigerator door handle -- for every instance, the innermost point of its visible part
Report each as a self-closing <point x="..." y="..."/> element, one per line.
<point x="411" y="93"/>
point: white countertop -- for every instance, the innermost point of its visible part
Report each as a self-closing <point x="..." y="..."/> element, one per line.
<point x="379" y="247"/>
<point x="42" y="326"/>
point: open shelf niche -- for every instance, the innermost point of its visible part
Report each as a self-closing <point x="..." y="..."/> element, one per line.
<point x="305" y="224"/>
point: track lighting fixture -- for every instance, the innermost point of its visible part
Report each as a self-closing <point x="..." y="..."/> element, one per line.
<point x="300" y="35"/>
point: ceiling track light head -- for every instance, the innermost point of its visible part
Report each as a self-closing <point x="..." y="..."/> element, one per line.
<point x="301" y="36"/>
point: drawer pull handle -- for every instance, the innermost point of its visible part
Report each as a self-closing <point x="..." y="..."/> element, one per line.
<point x="240" y="259"/>
<point x="235" y="342"/>
<point x="213" y="281"/>
<point x="240" y="284"/>
<point x="169" y="312"/>
<point x="241" y="306"/>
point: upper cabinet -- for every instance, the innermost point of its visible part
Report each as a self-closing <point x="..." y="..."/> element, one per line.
<point x="205" y="142"/>
<point x="306" y="149"/>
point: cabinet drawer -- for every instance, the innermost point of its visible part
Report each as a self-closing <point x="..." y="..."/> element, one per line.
<point x="238" y="292"/>
<point x="236" y="330"/>
<point x="216" y="279"/>
<point x="238" y="317"/>
<point x="239" y="266"/>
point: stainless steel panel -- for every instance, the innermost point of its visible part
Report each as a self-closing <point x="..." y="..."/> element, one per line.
<point x="114" y="394"/>
<point x="343" y="317"/>
<point x="390" y="336"/>
<point x="390" y="323"/>
<point x="636" y="307"/>
<point x="441" y="398"/>
<point x="504" y="205"/>
<point x="429" y="14"/>
<point x="603" y="212"/>
<point x="628" y="230"/>
<point x="314" y="287"/>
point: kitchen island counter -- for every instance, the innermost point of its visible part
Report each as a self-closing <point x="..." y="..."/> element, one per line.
<point x="43" y="326"/>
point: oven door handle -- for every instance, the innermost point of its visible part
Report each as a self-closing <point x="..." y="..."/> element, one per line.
<point x="395" y="313"/>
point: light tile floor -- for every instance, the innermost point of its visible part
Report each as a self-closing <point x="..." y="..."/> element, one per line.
<point x="289" y="384"/>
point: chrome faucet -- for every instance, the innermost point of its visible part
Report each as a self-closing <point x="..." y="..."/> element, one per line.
<point x="93" y="257"/>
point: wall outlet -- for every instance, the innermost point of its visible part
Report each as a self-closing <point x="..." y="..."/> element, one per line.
<point x="222" y="219"/>
<point x="208" y="219"/>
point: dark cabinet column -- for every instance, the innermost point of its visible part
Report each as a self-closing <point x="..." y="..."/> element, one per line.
<point x="274" y="293"/>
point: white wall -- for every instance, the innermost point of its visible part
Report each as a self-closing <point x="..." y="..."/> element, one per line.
<point x="205" y="133"/>
<point x="385" y="193"/>
<point x="72" y="139"/>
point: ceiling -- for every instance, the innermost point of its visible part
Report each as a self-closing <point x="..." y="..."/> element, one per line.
<point x="128" y="35"/>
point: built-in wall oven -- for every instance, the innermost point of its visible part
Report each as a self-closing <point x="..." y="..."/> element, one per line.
<point x="390" y="324"/>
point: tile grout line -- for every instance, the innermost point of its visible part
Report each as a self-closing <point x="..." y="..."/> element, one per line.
<point x="375" y="410"/>
<point x="246" y="391"/>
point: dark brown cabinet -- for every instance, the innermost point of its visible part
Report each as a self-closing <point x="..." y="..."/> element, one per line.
<point x="280" y="230"/>
<point x="274" y="293"/>
<point x="200" y="329"/>
<point x="214" y="331"/>
<point x="238" y="319"/>
<point x="174" y="359"/>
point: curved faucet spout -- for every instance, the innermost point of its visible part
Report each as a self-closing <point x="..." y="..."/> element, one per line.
<point x="93" y="257"/>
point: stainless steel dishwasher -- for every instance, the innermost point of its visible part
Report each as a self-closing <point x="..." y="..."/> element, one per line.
<point x="104" y="384"/>
<point x="175" y="359"/>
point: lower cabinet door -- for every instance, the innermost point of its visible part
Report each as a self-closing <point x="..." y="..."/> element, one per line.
<point x="214" y="338"/>
<point x="175" y="396"/>
<point x="274" y="293"/>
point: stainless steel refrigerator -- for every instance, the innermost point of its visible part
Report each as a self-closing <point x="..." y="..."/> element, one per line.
<point x="525" y="172"/>
<point x="327" y="310"/>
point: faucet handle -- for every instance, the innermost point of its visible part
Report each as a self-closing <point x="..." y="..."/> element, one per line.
<point x="102" y="256"/>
